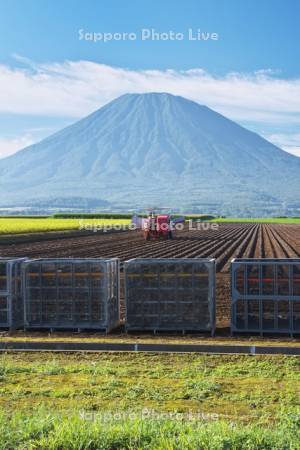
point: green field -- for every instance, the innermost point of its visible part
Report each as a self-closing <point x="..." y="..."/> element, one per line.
<point x="288" y="220"/>
<point x="144" y="401"/>
<point x="34" y="225"/>
<point x="19" y="225"/>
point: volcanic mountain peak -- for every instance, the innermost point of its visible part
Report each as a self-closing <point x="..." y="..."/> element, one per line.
<point x="154" y="148"/>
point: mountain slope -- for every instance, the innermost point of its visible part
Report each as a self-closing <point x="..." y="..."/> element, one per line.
<point x="143" y="149"/>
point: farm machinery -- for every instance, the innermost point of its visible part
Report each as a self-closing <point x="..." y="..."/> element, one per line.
<point x="157" y="226"/>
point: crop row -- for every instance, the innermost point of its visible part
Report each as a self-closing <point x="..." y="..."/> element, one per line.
<point x="224" y="243"/>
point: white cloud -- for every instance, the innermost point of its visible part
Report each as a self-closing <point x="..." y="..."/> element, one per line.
<point x="293" y="150"/>
<point x="9" y="146"/>
<point x="74" y="89"/>
<point x="289" y="142"/>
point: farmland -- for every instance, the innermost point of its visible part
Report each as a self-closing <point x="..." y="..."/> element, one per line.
<point x="32" y="225"/>
<point x="130" y="401"/>
<point x="153" y="401"/>
<point x="283" y="220"/>
<point x="71" y="222"/>
<point x="226" y="241"/>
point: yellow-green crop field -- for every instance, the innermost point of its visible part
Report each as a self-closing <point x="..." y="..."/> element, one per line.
<point x="34" y="225"/>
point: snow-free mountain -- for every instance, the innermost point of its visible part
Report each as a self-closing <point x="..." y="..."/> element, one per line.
<point x="142" y="150"/>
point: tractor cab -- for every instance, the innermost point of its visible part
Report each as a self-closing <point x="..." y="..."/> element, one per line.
<point x="158" y="226"/>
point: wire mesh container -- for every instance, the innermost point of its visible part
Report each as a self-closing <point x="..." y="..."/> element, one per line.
<point x="11" y="302"/>
<point x="71" y="293"/>
<point x="265" y="295"/>
<point x="170" y="294"/>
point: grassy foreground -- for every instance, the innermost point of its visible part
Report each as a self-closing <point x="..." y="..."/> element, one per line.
<point x="66" y="433"/>
<point x="34" y="225"/>
<point x="144" y="401"/>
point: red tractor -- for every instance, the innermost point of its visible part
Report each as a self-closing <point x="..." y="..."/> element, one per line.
<point x="158" y="226"/>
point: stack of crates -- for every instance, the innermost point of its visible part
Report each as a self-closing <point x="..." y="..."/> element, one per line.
<point x="170" y="294"/>
<point x="11" y="302"/>
<point x="71" y="293"/>
<point x="265" y="295"/>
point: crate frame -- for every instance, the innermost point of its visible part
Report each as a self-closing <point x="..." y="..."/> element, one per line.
<point x="13" y="293"/>
<point x="290" y="299"/>
<point x="210" y="265"/>
<point x="107" y="324"/>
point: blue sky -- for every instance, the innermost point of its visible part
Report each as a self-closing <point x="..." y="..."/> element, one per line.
<point x="49" y="78"/>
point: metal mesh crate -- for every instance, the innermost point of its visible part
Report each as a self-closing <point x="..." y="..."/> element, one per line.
<point x="265" y="295"/>
<point x="170" y="294"/>
<point x="11" y="303"/>
<point x="71" y="293"/>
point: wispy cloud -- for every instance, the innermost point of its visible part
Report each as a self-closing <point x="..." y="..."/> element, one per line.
<point x="77" y="88"/>
<point x="73" y="89"/>
<point x="10" y="145"/>
<point x="293" y="150"/>
<point x="288" y="142"/>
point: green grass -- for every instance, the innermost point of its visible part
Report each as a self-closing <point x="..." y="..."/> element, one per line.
<point x="222" y="402"/>
<point x="124" y="215"/>
<point x="35" y="225"/>
<point x="288" y="220"/>
<point x="74" y="432"/>
<point x="92" y="216"/>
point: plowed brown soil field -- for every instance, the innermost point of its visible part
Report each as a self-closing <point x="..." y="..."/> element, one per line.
<point x="229" y="241"/>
